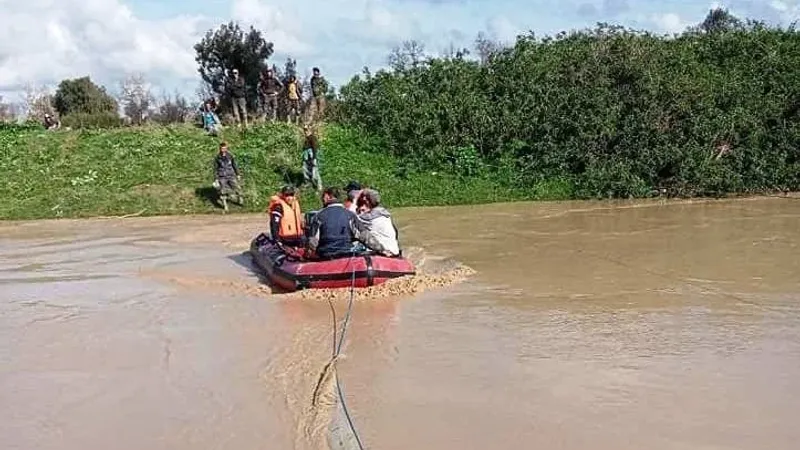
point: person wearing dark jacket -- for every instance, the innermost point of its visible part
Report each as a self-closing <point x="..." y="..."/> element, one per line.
<point x="334" y="229"/>
<point x="268" y="89"/>
<point x="227" y="176"/>
<point x="237" y="90"/>
<point x="319" y="89"/>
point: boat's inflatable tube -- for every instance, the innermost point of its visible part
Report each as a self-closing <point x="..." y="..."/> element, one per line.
<point x="290" y="272"/>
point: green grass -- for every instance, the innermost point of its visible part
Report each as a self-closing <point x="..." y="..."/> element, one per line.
<point x="168" y="170"/>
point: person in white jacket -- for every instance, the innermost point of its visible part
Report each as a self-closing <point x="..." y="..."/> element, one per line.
<point x="378" y="222"/>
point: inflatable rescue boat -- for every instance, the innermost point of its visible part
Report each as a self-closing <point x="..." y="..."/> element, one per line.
<point x="288" y="270"/>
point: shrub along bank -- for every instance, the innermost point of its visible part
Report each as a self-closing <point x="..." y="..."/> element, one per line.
<point x="599" y="113"/>
<point x="168" y="170"/>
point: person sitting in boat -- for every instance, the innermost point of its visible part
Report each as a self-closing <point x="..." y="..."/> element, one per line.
<point x="378" y="222"/>
<point x="285" y="218"/>
<point x="353" y="190"/>
<point x="334" y="229"/>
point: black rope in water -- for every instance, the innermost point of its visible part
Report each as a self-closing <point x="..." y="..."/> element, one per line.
<point x="338" y="349"/>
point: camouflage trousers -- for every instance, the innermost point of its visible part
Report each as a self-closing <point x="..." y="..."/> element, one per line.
<point x="269" y="106"/>
<point x="227" y="187"/>
<point x="317" y="107"/>
<point x="293" y="111"/>
<point x="240" y="110"/>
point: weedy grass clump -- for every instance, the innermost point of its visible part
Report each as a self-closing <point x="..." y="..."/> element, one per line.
<point x="160" y="170"/>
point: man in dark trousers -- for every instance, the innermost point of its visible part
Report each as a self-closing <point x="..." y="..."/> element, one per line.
<point x="335" y="229"/>
<point x="319" y="89"/>
<point x="268" y="89"/>
<point x="227" y="176"/>
<point x="237" y="90"/>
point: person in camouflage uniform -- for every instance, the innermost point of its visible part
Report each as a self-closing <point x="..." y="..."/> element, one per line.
<point x="268" y="88"/>
<point x="237" y="90"/>
<point x="227" y="176"/>
<point x="319" y="89"/>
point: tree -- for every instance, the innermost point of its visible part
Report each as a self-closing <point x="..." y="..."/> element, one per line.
<point x="8" y="111"/>
<point x="136" y="99"/>
<point x="453" y="52"/>
<point x="81" y="95"/>
<point x="173" y="109"/>
<point x="720" y="20"/>
<point x="37" y="102"/>
<point x="486" y="47"/>
<point x="289" y="69"/>
<point x="407" y="55"/>
<point x="227" y="48"/>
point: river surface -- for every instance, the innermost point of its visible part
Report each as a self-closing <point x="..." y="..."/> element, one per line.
<point x="585" y="326"/>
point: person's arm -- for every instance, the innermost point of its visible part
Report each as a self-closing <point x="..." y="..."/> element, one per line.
<point x="280" y="83"/>
<point x="275" y="221"/>
<point x="363" y="235"/>
<point x="313" y="241"/>
<point x="235" y="166"/>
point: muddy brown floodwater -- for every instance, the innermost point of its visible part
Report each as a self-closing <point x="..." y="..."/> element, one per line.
<point x="584" y="325"/>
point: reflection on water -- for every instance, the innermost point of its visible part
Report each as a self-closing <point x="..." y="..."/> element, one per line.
<point x="587" y="325"/>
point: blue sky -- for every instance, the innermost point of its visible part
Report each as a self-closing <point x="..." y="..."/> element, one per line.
<point x="43" y="41"/>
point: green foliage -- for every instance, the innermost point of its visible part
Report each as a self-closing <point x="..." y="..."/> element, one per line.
<point x="94" y="120"/>
<point x="81" y="95"/>
<point x="168" y="170"/>
<point x="598" y="113"/>
<point x="227" y="48"/>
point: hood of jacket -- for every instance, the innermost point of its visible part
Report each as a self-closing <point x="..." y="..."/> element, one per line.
<point x="378" y="211"/>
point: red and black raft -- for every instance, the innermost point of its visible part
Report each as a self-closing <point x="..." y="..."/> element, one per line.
<point x="288" y="270"/>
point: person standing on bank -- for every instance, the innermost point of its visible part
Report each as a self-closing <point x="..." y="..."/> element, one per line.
<point x="227" y="176"/>
<point x="268" y="89"/>
<point x="319" y="89"/>
<point x="237" y="91"/>
<point x="294" y="92"/>
<point x="311" y="161"/>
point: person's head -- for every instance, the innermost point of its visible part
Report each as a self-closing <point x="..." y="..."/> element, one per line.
<point x="331" y="195"/>
<point x="288" y="193"/>
<point x="352" y="186"/>
<point x="47" y="116"/>
<point x="292" y="78"/>
<point x="315" y="70"/>
<point x="235" y="73"/>
<point x="223" y="147"/>
<point x="269" y="72"/>
<point x="369" y="198"/>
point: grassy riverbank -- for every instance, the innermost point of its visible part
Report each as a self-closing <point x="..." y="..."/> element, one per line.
<point x="167" y="170"/>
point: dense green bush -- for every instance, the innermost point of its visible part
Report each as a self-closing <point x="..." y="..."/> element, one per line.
<point x="602" y="112"/>
<point x="92" y="121"/>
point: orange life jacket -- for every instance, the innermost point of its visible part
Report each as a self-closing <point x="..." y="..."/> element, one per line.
<point x="292" y="219"/>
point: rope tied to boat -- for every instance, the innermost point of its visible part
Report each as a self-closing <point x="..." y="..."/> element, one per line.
<point x="336" y="352"/>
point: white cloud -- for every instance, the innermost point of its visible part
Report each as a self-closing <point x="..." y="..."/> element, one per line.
<point x="670" y="23"/>
<point x="276" y="22"/>
<point x="503" y="29"/>
<point x="45" y="41"/>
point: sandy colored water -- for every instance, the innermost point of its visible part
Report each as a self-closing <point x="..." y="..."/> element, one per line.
<point x="551" y="325"/>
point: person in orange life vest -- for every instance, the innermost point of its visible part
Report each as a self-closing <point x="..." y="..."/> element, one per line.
<point x="285" y="218"/>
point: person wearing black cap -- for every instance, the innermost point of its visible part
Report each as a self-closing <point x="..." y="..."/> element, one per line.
<point x="286" y="218"/>
<point x="353" y="190"/>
